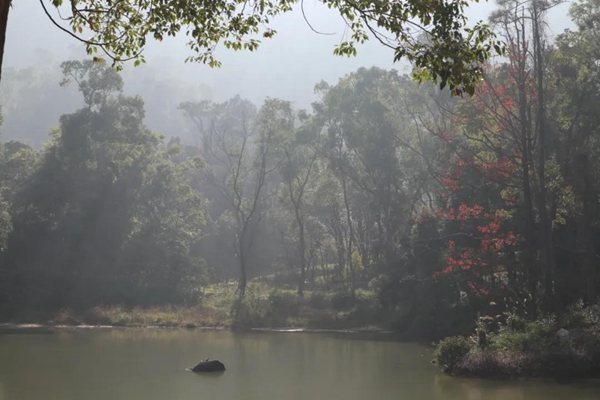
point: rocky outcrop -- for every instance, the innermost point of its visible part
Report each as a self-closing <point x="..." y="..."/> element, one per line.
<point x="209" y="366"/>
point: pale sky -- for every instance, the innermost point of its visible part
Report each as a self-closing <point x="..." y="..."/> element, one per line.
<point x="287" y="66"/>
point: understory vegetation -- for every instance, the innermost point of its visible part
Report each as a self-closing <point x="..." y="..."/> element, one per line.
<point x="263" y="307"/>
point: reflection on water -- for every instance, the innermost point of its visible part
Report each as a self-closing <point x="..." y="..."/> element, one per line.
<point x="151" y="364"/>
<point x="447" y="387"/>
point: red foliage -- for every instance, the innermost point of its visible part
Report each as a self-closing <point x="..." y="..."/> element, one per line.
<point x="488" y="123"/>
<point x="502" y="169"/>
<point x="480" y="291"/>
<point x="471" y="261"/>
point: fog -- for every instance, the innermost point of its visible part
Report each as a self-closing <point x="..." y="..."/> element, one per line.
<point x="287" y="66"/>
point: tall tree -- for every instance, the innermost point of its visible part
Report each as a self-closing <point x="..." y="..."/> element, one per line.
<point x="300" y="154"/>
<point x="238" y="145"/>
<point x="113" y="217"/>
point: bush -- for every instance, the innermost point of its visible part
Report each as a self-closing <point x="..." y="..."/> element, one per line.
<point x="96" y="316"/>
<point x="494" y="364"/>
<point x="536" y="336"/>
<point x="319" y="301"/>
<point x="284" y="278"/>
<point x="450" y="351"/>
<point x="522" y="348"/>
<point x="515" y="322"/>
<point x="283" y="304"/>
<point x="581" y="316"/>
<point x="343" y="301"/>
<point x="65" y="317"/>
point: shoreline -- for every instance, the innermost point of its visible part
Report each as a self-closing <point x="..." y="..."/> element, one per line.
<point x="585" y="378"/>
<point x="49" y="328"/>
<point x="524" y="378"/>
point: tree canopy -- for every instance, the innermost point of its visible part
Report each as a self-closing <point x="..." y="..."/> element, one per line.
<point x="432" y="35"/>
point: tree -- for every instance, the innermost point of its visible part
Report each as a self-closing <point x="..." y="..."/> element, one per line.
<point x="95" y="82"/>
<point x="239" y="145"/>
<point x="363" y="149"/>
<point x="572" y="77"/>
<point x="300" y="154"/>
<point x="113" y="216"/>
<point x="434" y="37"/>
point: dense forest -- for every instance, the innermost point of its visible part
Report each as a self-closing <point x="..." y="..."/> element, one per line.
<point x="433" y="207"/>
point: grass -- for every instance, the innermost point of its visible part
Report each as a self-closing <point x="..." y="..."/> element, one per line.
<point x="164" y="316"/>
<point x="262" y="307"/>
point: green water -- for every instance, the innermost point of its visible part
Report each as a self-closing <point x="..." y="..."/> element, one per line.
<point x="151" y="365"/>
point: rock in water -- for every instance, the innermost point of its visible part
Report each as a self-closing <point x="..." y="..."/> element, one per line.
<point x="209" y="366"/>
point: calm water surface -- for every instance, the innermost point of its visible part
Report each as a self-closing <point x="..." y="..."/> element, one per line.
<point x="150" y="365"/>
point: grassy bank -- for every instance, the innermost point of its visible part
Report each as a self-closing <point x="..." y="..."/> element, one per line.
<point x="514" y="348"/>
<point x="262" y="307"/>
<point x="270" y="302"/>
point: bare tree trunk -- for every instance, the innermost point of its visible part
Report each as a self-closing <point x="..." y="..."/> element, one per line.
<point x="362" y="241"/>
<point x="242" y="258"/>
<point x="311" y="264"/>
<point x="302" y="251"/>
<point x="546" y="233"/>
<point x="243" y="279"/>
<point x="4" y="9"/>
<point x="324" y="260"/>
<point x="350" y="238"/>
<point x="586" y="231"/>
<point x="341" y="251"/>
<point x="525" y="135"/>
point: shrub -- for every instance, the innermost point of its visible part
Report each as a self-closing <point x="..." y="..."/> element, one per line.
<point x="65" y="317"/>
<point x="283" y="304"/>
<point x="535" y="336"/>
<point x="319" y="301"/>
<point x="574" y="316"/>
<point x="497" y="364"/>
<point x="515" y="322"/>
<point x="284" y="278"/>
<point x="343" y="301"/>
<point x="581" y="316"/>
<point x="528" y="348"/>
<point x="450" y="351"/>
<point x="97" y="316"/>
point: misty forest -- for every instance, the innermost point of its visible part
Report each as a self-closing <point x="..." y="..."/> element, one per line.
<point x="415" y="206"/>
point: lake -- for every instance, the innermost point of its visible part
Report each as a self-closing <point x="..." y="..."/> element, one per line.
<point x="150" y="364"/>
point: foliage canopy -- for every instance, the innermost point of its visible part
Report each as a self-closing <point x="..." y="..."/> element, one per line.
<point x="432" y="35"/>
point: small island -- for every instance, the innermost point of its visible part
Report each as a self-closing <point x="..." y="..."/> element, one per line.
<point x="511" y="347"/>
